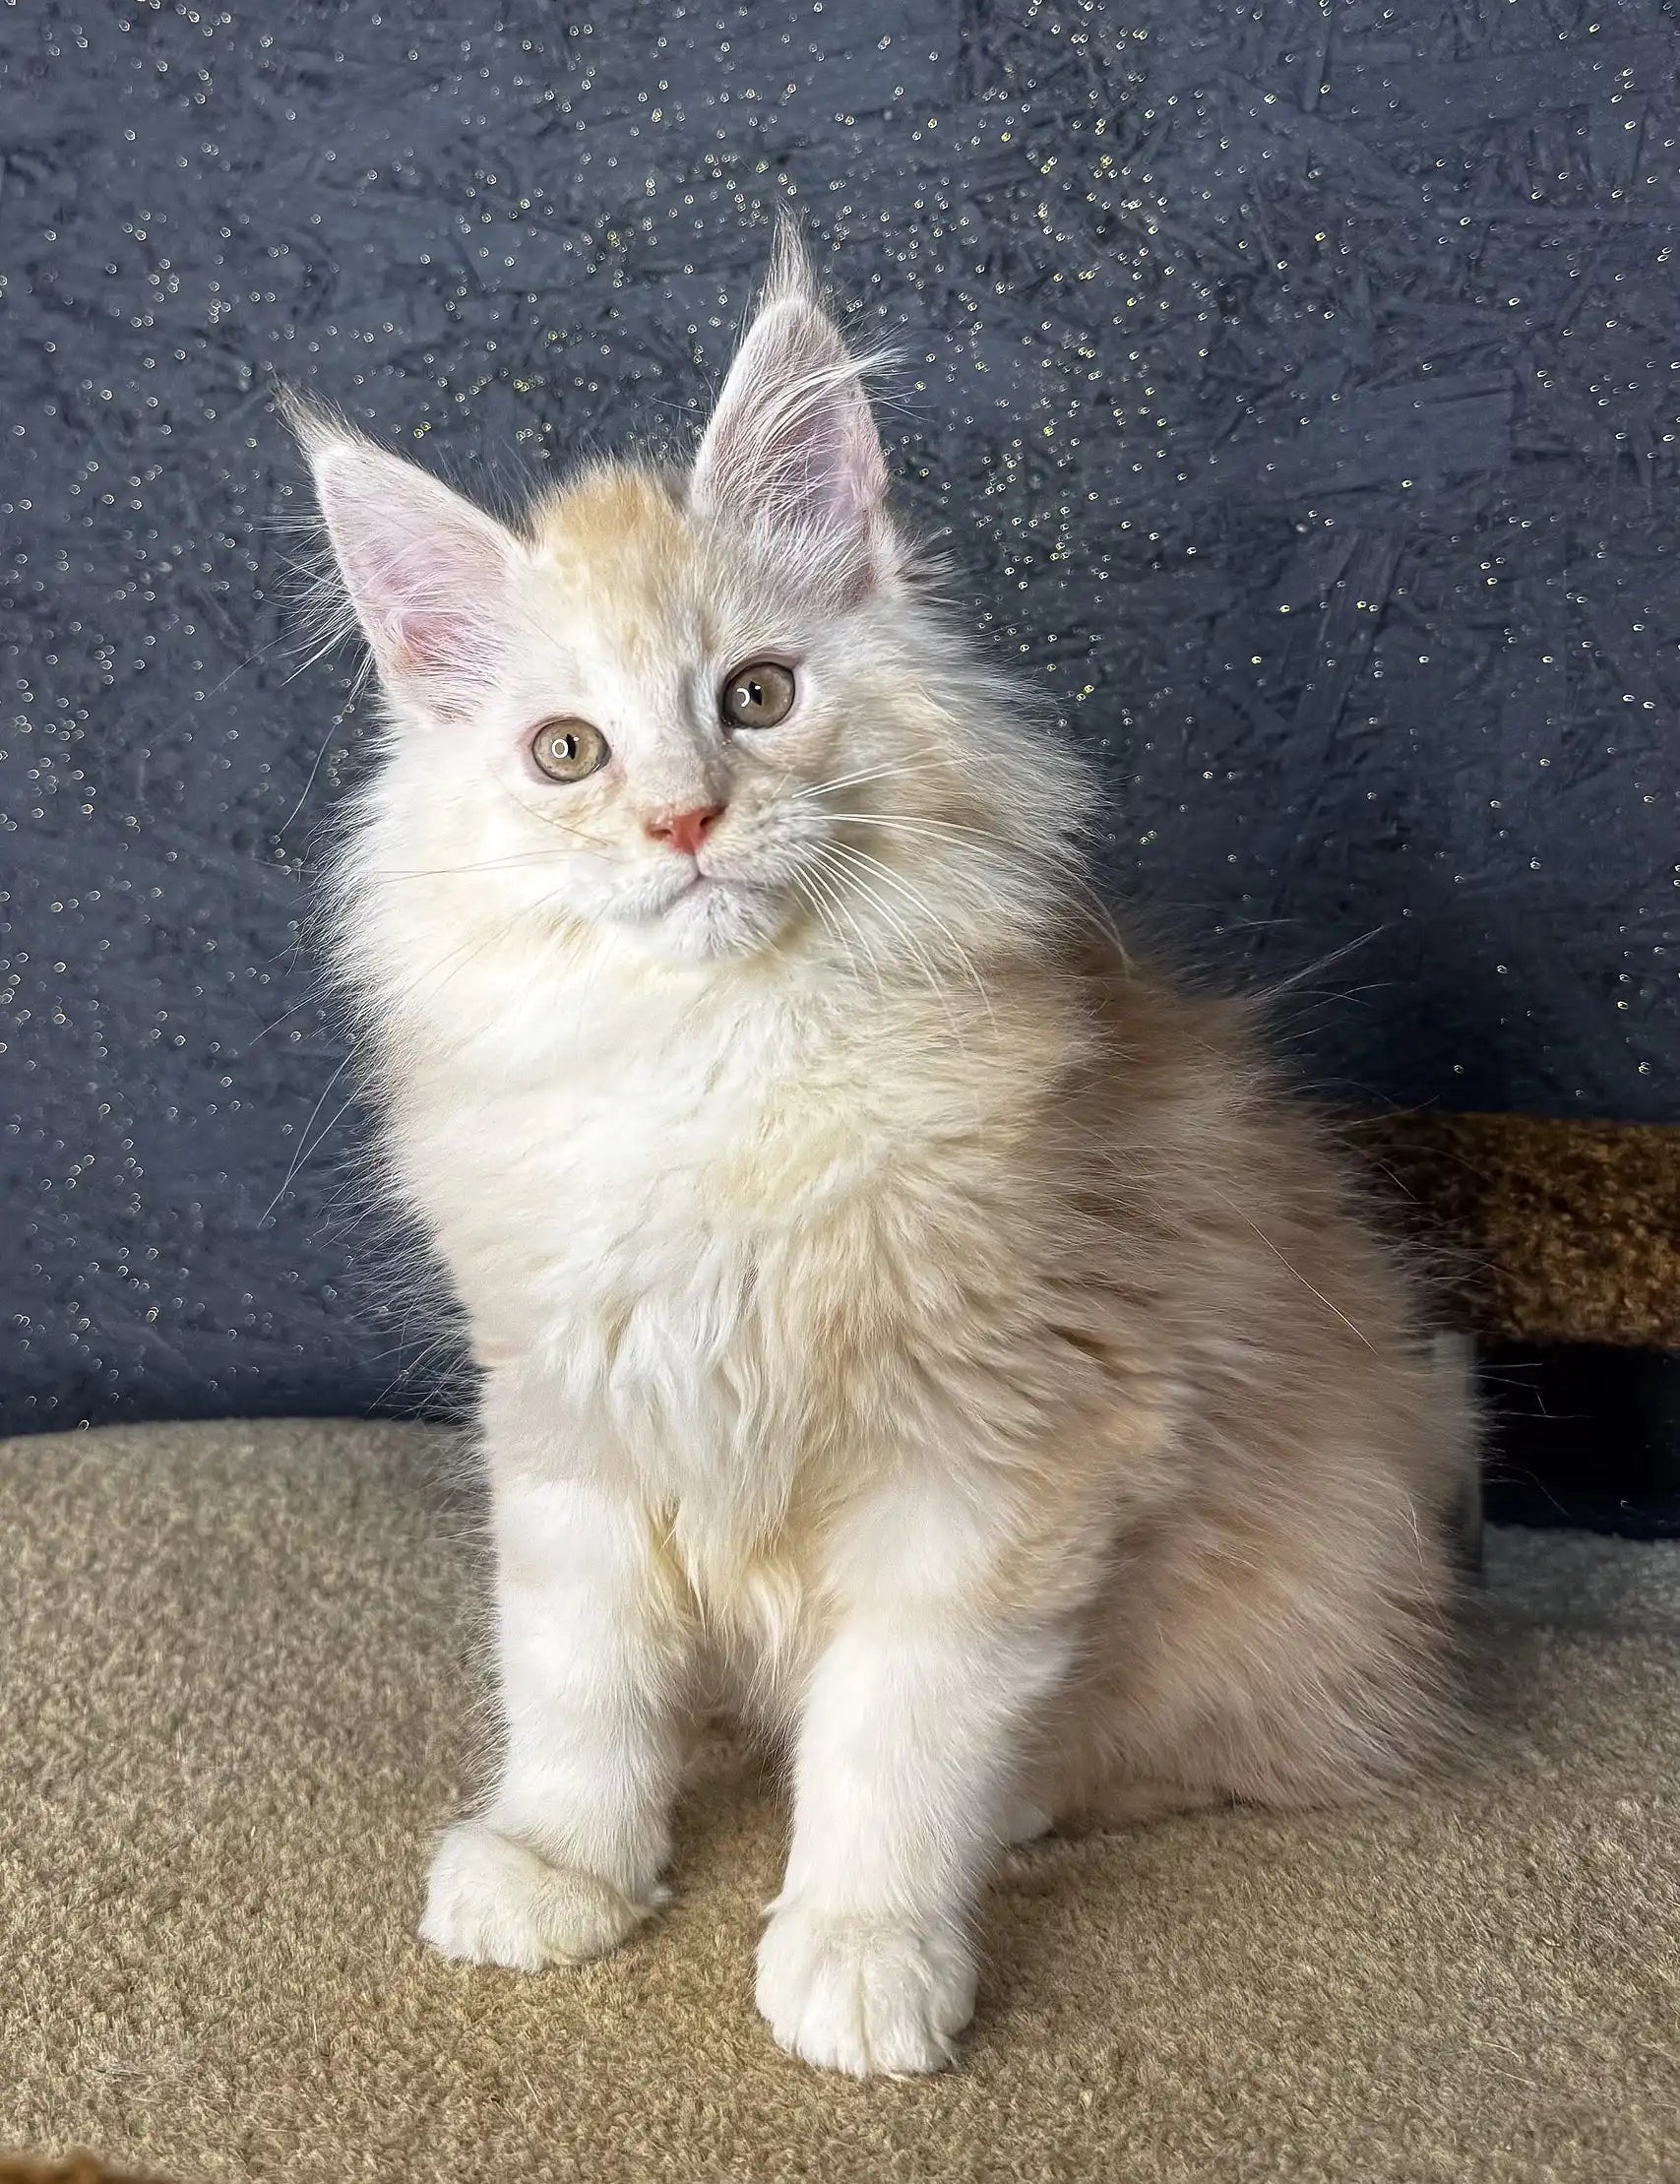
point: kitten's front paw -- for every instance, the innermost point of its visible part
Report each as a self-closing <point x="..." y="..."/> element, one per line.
<point x="491" y="1901"/>
<point x="867" y="1996"/>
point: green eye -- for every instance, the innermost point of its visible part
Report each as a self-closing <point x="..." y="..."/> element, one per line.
<point x="569" y="750"/>
<point x="757" y="695"/>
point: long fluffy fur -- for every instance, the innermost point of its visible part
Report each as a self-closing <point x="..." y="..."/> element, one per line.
<point x="890" y="1298"/>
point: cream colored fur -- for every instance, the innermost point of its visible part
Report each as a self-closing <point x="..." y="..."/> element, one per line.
<point x="890" y="1299"/>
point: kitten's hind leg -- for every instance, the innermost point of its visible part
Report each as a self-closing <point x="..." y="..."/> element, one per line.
<point x="1072" y="1801"/>
<point x="1132" y="1801"/>
<point x="1024" y="1820"/>
<point x="1244" y="1660"/>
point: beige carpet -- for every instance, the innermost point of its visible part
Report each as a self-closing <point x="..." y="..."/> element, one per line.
<point x="236" y="1665"/>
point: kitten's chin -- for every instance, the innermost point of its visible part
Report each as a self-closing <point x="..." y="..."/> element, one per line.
<point x="711" y="922"/>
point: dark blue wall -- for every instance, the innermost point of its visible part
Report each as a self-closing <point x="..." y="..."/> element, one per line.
<point x="1300" y="383"/>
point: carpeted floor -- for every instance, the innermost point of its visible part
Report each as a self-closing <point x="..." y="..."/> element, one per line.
<point x="238" y="1665"/>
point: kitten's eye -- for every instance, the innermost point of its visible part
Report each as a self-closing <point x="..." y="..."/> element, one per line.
<point x="569" y="750"/>
<point x="758" y="695"/>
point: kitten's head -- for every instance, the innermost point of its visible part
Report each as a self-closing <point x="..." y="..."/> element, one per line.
<point x="713" y="712"/>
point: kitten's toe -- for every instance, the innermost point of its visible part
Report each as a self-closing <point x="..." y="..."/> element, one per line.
<point x="491" y="1901"/>
<point x="870" y="1997"/>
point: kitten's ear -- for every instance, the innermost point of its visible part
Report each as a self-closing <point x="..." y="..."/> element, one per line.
<point x="429" y="575"/>
<point x="791" y="450"/>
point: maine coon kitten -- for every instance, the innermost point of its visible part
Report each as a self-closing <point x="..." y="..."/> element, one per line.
<point x="887" y="1296"/>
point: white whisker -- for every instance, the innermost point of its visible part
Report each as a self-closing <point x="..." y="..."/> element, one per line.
<point x="837" y="900"/>
<point x="1061" y="864"/>
<point x="885" y="771"/>
<point x="920" y="902"/>
<point x="930" y="969"/>
<point x="441" y="871"/>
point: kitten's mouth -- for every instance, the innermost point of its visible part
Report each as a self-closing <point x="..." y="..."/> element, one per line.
<point x="702" y="886"/>
<point x="707" y="914"/>
<point x="696" y="894"/>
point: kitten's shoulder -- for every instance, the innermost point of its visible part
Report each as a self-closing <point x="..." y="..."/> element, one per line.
<point x="1147" y="1011"/>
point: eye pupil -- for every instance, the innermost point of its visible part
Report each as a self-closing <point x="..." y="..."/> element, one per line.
<point x="569" y="750"/>
<point x="757" y="695"/>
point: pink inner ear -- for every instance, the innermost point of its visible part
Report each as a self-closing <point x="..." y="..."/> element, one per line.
<point x="858" y="471"/>
<point x="435" y="590"/>
<point x="430" y="641"/>
<point x="426" y="571"/>
<point x="792" y="450"/>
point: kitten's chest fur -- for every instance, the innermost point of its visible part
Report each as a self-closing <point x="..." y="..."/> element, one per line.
<point x="679" y="1221"/>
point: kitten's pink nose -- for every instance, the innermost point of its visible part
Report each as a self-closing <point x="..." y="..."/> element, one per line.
<point x="683" y="830"/>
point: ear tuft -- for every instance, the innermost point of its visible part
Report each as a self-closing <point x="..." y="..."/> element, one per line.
<point x="428" y="574"/>
<point x="790" y="277"/>
<point x="791" y="453"/>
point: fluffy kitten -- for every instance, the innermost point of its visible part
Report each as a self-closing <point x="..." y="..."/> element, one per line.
<point x="887" y="1296"/>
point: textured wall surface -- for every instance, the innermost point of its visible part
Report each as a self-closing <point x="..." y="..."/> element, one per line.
<point x="1299" y="383"/>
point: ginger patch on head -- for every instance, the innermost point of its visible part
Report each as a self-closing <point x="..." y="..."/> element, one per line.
<point x="616" y="520"/>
